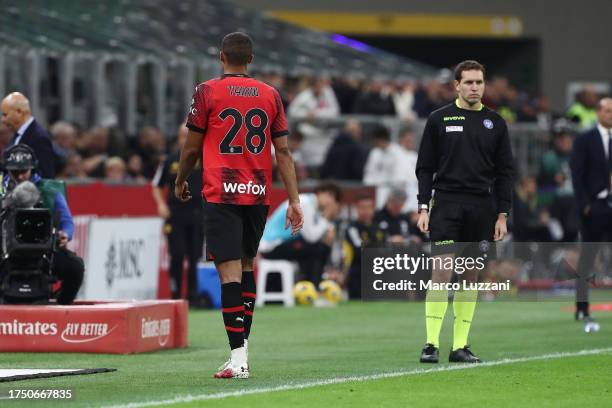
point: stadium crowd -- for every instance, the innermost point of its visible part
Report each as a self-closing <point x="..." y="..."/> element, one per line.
<point x="544" y="207"/>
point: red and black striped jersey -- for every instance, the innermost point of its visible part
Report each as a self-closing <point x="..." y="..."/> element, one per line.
<point x="238" y="117"/>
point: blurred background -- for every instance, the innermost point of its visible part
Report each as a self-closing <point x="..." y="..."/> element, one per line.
<point x="112" y="82"/>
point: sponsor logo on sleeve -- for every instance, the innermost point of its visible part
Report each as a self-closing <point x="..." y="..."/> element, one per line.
<point x="454" y="129"/>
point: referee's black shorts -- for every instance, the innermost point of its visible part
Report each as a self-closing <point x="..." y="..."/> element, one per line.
<point x="462" y="223"/>
<point x="233" y="231"/>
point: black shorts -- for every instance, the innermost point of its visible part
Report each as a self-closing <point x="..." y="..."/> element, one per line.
<point x="461" y="222"/>
<point x="233" y="231"/>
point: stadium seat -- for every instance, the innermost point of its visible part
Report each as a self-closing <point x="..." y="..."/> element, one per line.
<point x="287" y="270"/>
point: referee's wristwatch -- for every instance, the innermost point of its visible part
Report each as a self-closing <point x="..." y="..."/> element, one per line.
<point x="423" y="207"/>
<point x="504" y="214"/>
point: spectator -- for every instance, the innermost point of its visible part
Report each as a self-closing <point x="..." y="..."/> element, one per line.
<point x="360" y="232"/>
<point x="431" y="96"/>
<point x="314" y="102"/>
<point x="405" y="176"/>
<point x="382" y="163"/>
<point x="375" y="99"/>
<point x="94" y="149"/>
<point x="115" y="169"/>
<point x="395" y="224"/>
<point x="555" y="182"/>
<point x="346" y="90"/>
<point x="403" y="101"/>
<point x="73" y="167"/>
<point x="584" y="111"/>
<point x="17" y="115"/>
<point x="64" y="142"/>
<point x="150" y="147"/>
<point x="311" y="248"/>
<point x="64" y="137"/>
<point x="555" y="173"/>
<point x="295" y="141"/>
<point x="346" y="156"/>
<point x="530" y="224"/>
<point x="135" y="168"/>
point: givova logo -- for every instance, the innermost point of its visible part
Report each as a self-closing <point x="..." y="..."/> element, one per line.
<point x="242" y="188"/>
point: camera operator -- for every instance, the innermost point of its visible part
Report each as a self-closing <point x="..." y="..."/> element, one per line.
<point x="20" y="162"/>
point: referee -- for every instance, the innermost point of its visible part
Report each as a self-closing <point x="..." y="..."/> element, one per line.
<point x="467" y="147"/>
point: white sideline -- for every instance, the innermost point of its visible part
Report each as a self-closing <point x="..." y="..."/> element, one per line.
<point x="341" y="380"/>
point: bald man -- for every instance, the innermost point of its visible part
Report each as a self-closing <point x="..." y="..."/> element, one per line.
<point x="591" y="164"/>
<point x="17" y="116"/>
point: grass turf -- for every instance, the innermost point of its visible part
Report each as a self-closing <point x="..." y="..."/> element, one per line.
<point x="292" y="346"/>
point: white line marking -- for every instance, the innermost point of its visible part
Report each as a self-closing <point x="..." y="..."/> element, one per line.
<point x="341" y="380"/>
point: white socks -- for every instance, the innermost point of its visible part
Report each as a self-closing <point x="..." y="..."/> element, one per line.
<point x="239" y="356"/>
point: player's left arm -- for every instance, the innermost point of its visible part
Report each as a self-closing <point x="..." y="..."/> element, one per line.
<point x="504" y="177"/>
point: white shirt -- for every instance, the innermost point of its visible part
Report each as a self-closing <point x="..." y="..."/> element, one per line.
<point x="605" y="138"/>
<point x="22" y="129"/>
<point x="380" y="168"/>
<point x="325" y="105"/>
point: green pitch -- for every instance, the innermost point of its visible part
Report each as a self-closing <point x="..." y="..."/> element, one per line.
<point x="377" y="343"/>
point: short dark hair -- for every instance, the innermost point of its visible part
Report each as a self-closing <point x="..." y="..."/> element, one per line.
<point x="363" y="197"/>
<point x="381" y="132"/>
<point x="468" y="65"/>
<point x="330" y="187"/>
<point x="237" y="48"/>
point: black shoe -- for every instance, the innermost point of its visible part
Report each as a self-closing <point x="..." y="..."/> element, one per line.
<point x="582" y="311"/>
<point x="429" y="354"/>
<point x="463" y="355"/>
<point x="581" y="315"/>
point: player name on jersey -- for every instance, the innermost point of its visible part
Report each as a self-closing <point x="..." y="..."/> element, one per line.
<point x="248" y="91"/>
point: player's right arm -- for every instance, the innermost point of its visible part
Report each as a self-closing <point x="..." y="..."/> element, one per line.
<point x="197" y="122"/>
<point x="189" y="156"/>
<point x="427" y="165"/>
<point x="427" y="161"/>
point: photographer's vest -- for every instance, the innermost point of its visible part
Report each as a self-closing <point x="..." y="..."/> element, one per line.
<point x="48" y="189"/>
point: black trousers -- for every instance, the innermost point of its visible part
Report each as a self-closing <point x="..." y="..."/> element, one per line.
<point x="185" y="239"/>
<point x="311" y="257"/>
<point x="596" y="227"/>
<point x="69" y="269"/>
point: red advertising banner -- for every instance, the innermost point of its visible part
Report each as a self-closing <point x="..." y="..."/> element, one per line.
<point x="85" y="327"/>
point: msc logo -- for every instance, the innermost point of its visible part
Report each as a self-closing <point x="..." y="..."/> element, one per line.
<point x="242" y="188"/>
<point x="123" y="260"/>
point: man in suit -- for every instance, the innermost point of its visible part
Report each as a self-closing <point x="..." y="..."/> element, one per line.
<point x="17" y="115"/>
<point x="591" y="164"/>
